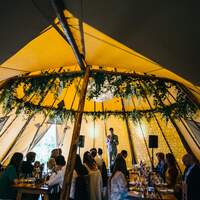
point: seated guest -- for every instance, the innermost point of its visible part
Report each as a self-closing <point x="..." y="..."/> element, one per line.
<point x="56" y="152"/>
<point x="95" y="179"/>
<point x="191" y="177"/>
<point x="161" y="166"/>
<point x="56" y="179"/>
<point x="26" y="169"/>
<point x="37" y="169"/>
<point x="172" y="171"/>
<point x="51" y="164"/>
<point x="80" y="184"/>
<point x="118" y="182"/>
<point x="8" y="177"/>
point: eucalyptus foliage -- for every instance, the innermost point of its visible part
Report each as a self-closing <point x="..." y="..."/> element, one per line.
<point x="118" y="84"/>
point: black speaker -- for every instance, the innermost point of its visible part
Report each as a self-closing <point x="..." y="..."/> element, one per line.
<point x="153" y="141"/>
<point x="81" y="141"/>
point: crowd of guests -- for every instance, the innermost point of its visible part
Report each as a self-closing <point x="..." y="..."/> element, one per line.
<point x="167" y="169"/>
<point x="91" y="180"/>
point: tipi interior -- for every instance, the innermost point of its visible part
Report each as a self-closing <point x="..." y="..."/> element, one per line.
<point x="43" y="70"/>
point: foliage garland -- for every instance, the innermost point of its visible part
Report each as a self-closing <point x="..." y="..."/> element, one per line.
<point x="121" y="85"/>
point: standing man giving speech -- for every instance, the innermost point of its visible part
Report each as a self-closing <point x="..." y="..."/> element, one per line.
<point x="112" y="142"/>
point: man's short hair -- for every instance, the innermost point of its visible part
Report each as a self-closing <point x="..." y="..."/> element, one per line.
<point x="60" y="160"/>
<point x="111" y="129"/>
<point x="160" y="155"/>
<point x="124" y="153"/>
<point x="100" y="151"/>
<point x="30" y="156"/>
<point x="93" y="152"/>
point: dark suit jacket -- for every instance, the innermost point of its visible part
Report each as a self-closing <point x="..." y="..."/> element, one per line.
<point x="193" y="183"/>
<point x="125" y="170"/>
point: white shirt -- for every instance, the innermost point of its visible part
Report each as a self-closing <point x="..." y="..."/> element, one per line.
<point x="57" y="178"/>
<point x="99" y="161"/>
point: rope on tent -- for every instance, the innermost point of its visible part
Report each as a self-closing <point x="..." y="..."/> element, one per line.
<point x="117" y="47"/>
<point x="133" y="154"/>
<point x="145" y="142"/>
<point x="18" y="136"/>
<point x="170" y="149"/>
<point x="185" y="144"/>
<point x="50" y="22"/>
<point x="189" y="95"/>
<point x="196" y="123"/>
<point x="81" y="29"/>
<point x="181" y="120"/>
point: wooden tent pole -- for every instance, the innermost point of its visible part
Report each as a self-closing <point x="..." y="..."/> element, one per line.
<point x="58" y="6"/>
<point x="145" y="142"/>
<point x="185" y="144"/>
<point x="7" y="117"/>
<point x="192" y="98"/>
<point x="191" y="135"/>
<point x="8" y="126"/>
<point x="162" y="132"/>
<point x="18" y="136"/>
<point x="75" y="138"/>
<point x="133" y="155"/>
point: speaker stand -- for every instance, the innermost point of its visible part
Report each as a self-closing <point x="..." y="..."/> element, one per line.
<point x="152" y="164"/>
<point x="79" y="151"/>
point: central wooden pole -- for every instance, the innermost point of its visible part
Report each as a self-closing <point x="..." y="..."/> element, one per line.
<point x="75" y="138"/>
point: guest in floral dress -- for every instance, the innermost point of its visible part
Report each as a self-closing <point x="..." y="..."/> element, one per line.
<point x="118" y="182"/>
<point x="95" y="178"/>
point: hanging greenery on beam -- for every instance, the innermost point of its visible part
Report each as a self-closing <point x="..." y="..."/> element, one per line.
<point x="101" y="85"/>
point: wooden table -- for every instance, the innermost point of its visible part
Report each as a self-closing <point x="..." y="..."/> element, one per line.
<point x="161" y="192"/>
<point x="31" y="189"/>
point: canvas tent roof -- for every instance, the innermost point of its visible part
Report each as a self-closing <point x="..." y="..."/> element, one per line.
<point x="146" y="37"/>
<point x="165" y="33"/>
